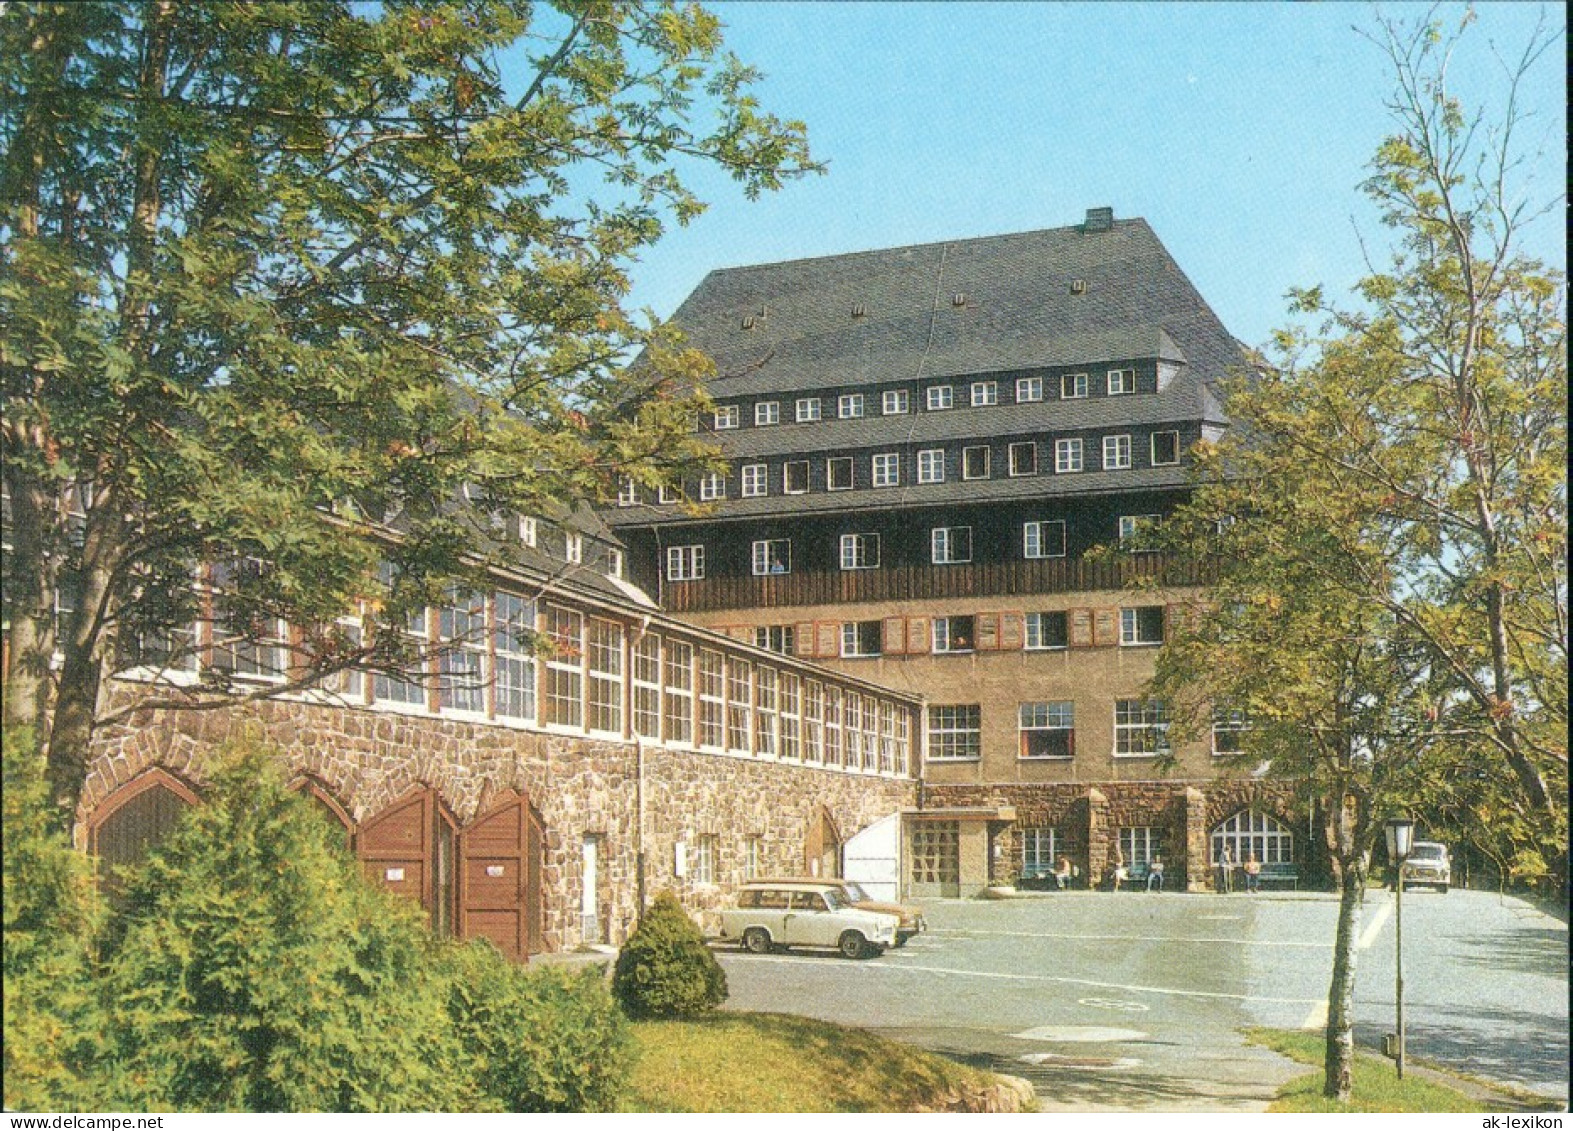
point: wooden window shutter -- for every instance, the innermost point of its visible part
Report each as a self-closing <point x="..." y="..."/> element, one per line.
<point x="1081" y="628"/>
<point x="827" y="638"/>
<point x="895" y="636"/>
<point x="1105" y="627"/>
<point x="1013" y="635"/>
<point x="918" y="641"/>
<point x="988" y="625"/>
<point x="803" y="633"/>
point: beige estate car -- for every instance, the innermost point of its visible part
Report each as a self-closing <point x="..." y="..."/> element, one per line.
<point x="773" y="914"/>
<point x="1428" y="863"/>
<point x="912" y="921"/>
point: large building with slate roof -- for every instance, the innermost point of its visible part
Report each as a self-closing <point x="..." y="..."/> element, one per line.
<point x="924" y="445"/>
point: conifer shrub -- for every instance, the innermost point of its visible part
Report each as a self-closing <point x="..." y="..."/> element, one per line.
<point x="544" y="1039"/>
<point x="252" y="968"/>
<point x="665" y="969"/>
<point x="55" y="1053"/>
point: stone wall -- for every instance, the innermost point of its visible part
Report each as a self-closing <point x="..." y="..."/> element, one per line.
<point x="580" y="786"/>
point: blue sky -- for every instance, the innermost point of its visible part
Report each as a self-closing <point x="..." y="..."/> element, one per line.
<point x="1240" y="131"/>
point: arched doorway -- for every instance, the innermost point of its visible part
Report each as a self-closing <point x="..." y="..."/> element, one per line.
<point x="133" y="819"/>
<point x="408" y="848"/>
<point x="822" y="848"/>
<point x="500" y="877"/>
<point x="326" y="805"/>
<point x="1250" y="833"/>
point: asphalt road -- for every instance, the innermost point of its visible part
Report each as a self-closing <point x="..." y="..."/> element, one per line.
<point x="1136" y="1002"/>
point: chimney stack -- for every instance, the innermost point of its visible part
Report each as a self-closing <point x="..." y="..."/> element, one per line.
<point x="1099" y="220"/>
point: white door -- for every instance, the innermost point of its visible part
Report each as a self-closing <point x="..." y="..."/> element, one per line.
<point x="589" y="913"/>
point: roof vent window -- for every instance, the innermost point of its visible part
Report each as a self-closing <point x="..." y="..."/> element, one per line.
<point x="1099" y="219"/>
<point x="958" y="299"/>
<point x="1078" y="286"/>
<point x="748" y="321"/>
<point x="859" y="310"/>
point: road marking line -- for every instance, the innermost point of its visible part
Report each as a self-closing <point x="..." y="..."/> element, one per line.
<point x="1161" y="990"/>
<point x="1378" y="921"/>
<point x="1317" y="1018"/>
<point x="1294" y="943"/>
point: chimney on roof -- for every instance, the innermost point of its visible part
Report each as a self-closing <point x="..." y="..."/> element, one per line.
<point x="1099" y="220"/>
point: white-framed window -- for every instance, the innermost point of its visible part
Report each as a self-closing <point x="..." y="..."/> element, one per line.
<point x="1122" y="382"/>
<point x="772" y="555"/>
<point x="767" y="412"/>
<point x="1029" y="389"/>
<point x="1117" y="452"/>
<point x="861" y="638"/>
<point x="564" y="704"/>
<point x="833" y="716"/>
<point x="666" y="495"/>
<point x="860" y="551"/>
<point x="955" y="733"/>
<point x="739" y="705"/>
<point x="1140" y="844"/>
<point x="1048" y="730"/>
<point x="1048" y="632"/>
<point x="1141" y="728"/>
<point x="1043" y="539"/>
<point x="895" y="402"/>
<point x="950" y="545"/>
<point x="985" y="393"/>
<point x="513" y="631"/>
<point x="751" y="858"/>
<point x="614" y="562"/>
<point x="1073" y="386"/>
<point x="955" y="634"/>
<point x="975" y="462"/>
<point x="794" y="477"/>
<point x="712" y="699"/>
<point x="766" y="705"/>
<point x="677" y="718"/>
<point x="1248" y="834"/>
<point x="1040" y="850"/>
<point x="727" y="416"/>
<point x="813" y="721"/>
<point x="849" y="406"/>
<point x="1024" y="458"/>
<point x="1134" y="528"/>
<point x="887" y="469"/>
<point x="1229" y="727"/>
<point x="754" y="481"/>
<point x="685" y="563"/>
<point x="712" y="487"/>
<point x="780" y="638"/>
<point x="939" y="397"/>
<point x="246" y="644"/>
<point x="838" y="473"/>
<point x="628" y="494"/>
<point x="604" y="639"/>
<point x="1141" y="626"/>
<point x="462" y="666"/>
<point x="573" y="547"/>
<point x="646" y="681"/>
<point x="1165" y="449"/>
<point x="1068" y="455"/>
<point x="808" y="409"/>
<point x="931" y="465"/>
<point x="407" y="686"/>
<point x="702" y="860"/>
<point x="529" y="530"/>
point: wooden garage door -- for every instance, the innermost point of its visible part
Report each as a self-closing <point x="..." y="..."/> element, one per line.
<point x="500" y="878"/>
<point x="408" y="849"/>
<point x="133" y="819"/>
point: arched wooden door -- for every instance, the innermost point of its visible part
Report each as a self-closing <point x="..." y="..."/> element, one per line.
<point x="408" y="848"/>
<point x="134" y="818"/>
<point x="500" y="877"/>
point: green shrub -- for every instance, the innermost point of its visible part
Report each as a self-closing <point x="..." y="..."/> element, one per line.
<point x="54" y="1024"/>
<point x="254" y="969"/>
<point x="543" y="1038"/>
<point x="665" y="968"/>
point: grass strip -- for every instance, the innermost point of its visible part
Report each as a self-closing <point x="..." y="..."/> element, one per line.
<point x="747" y="1062"/>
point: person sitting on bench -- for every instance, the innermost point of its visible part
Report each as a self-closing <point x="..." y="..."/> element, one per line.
<point x="1062" y="873"/>
<point x="1155" y="874"/>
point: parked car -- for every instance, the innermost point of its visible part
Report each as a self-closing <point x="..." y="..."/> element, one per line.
<point x="782" y="913"/>
<point x="1428" y="864"/>
<point x="912" y="921"/>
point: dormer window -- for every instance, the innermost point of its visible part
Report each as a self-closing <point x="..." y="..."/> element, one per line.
<point x="527" y="530"/>
<point x="850" y="406"/>
<point x="975" y="463"/>
<point x="667" y="495"/>
<point x="628" y="494"/>
<point x="807" y="410"/>
<point x="1165" y="448"/>
<point x="939" y="397"/>
<point x="896" y="402"/>
<point x="1073" y="386"/>
<point x="573" y="547"/>
<point x="726" y="417"/>
<point x="767" y="412"/>
<point x="712" y="487"/>
<point x="1029" y="389"/>
<point x="614" y="563"/>
<point x="985" y="393"/>
<point x="1122" y="382"/>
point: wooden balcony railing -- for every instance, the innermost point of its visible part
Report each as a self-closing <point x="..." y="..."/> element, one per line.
<point x="925" y="582"/>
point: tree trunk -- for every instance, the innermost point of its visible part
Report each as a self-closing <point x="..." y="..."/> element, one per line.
<point x="1339" y="1059"/>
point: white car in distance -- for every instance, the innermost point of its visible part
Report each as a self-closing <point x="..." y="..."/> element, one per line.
<point x="774" y="915"/>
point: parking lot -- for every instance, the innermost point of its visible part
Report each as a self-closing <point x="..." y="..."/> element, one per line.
<point x="1137" y="1002"/>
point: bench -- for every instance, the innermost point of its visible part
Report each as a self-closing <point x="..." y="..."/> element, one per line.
<point x="1282" y="872"/>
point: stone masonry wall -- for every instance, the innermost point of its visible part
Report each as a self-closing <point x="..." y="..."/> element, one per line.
<point x="581" y="787"/>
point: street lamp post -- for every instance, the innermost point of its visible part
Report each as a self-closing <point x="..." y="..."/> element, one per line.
<point x="1400" y="836"/>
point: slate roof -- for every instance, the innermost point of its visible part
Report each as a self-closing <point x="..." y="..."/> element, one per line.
<point x="1018" y="313"/>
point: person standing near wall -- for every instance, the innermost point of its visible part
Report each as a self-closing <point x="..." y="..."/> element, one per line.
<point x="1225" y="871"/>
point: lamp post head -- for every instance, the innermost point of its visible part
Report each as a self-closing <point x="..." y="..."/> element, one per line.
<point x="1400" y="838"/>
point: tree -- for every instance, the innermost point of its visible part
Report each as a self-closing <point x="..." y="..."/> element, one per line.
<point x="1387" y="515"/>
<point x="273" y="273"/>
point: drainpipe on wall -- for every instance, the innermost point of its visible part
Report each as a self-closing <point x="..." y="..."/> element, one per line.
<point x="639" y="858"/>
